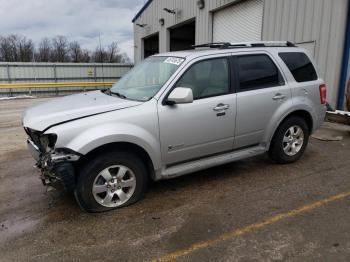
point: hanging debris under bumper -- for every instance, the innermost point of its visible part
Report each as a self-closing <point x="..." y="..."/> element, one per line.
<point x="56" y="168"/>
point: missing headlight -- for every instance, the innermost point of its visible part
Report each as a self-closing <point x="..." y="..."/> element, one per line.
<point x="52" y="140"/>
<point x="48" y="141"/>
<point x="44" y="142"/>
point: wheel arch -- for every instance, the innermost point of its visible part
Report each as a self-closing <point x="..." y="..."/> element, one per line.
<point x="121" y="146"/>
<point x="302" y="113"/>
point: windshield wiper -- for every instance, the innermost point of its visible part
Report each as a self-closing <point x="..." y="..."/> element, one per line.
<point x="118" y="94"/>
<point x="109" y="92"/>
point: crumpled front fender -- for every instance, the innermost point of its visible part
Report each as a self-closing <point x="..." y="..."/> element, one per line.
<point x="100" y="135"/>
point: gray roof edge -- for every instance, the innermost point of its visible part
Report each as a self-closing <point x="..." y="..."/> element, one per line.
<point x="139" y="13"/>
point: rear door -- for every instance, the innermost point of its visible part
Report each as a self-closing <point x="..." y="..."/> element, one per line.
<point x="262" y="93"/>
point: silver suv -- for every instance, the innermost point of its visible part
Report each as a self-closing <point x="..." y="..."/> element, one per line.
<point x="174" y="114"/>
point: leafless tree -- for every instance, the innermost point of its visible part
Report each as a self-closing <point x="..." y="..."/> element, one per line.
<point x="100" y="55"/>
<point x="85" y="56"/>
<point x="9" y="48"/>
<point x="25" y="49"/>
<point x="125" y="59"/>
<point x="12" y="41"/>
<point x="59" y="49"/>
<point x="113" y="53"/>
<point x="4" y="49"/>
<point x="15" y="48"/>
<point x="75" y="52"/>
<point x="44" y="51"/>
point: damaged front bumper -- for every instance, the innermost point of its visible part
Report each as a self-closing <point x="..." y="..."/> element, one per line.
<point x="56" y="167"/>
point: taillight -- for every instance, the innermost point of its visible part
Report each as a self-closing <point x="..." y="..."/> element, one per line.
<point x="323" y="94"/>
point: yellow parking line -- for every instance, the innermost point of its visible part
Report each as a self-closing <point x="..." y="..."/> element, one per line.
<point x="249" y="228"/>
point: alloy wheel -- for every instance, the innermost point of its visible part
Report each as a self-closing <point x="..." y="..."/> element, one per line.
<point x="114" y="186"/>
<point x="293" y="140"/>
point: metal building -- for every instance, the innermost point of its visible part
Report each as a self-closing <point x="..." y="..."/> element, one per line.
<point x="318" y="25"/>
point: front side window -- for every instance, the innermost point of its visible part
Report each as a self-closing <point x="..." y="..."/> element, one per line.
<point x="257" y="71"/>
<point x="207" y="78"/>
<point x="300" y="66"/>
<point x="146" y="79"/>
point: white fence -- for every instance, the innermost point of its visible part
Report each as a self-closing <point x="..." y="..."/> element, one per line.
<point x="12" y="73"/>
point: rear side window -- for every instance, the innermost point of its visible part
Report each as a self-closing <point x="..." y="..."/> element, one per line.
<point x="300" y="66"/>
<point x="257" y="71"/>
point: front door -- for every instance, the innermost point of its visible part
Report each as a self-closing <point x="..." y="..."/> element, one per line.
<point x="205" y="126"/>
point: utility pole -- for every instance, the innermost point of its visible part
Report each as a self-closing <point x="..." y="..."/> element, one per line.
<point x="99" y="39"/>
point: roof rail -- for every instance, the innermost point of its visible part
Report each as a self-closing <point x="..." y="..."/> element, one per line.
<point x="226" y="45"/>
<point x="213" y="45"/>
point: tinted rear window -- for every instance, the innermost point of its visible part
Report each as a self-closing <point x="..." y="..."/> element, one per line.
<point x="300" y="66"/>
<point x="257" y="71"/>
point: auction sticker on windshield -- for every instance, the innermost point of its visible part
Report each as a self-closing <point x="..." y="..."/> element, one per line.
<point x="174" y="60"/>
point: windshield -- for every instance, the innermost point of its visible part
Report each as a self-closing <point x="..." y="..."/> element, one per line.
<point x="146" y="79"/>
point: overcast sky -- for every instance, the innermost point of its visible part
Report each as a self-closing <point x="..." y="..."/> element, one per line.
<point x="80" y="20"/>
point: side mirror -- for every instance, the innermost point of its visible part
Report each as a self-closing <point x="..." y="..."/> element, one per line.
<point x="180" y="95"/>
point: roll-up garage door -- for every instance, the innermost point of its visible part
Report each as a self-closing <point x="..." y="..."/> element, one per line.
<point x="239" y="23"/>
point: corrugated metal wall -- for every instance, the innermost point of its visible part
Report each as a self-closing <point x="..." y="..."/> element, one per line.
<point x="60" y="72"/>
<point x="320" y="23"/>
<point x="188" y="9"/>
<point x="230" y="23"/>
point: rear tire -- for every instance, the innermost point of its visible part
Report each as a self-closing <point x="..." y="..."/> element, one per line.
<point x="112" y="180"/>
<point x="290" y="140"/>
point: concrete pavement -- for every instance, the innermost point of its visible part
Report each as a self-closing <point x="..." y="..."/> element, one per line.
<point x="177" y="214"/>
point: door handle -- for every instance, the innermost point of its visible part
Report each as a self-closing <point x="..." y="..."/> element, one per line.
<point x="279" y="96"/>
<point x="221" y="107"/>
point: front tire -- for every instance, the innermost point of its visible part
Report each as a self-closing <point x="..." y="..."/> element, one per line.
<point x="290" y="140"/>
<point x="110" y="181"/>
